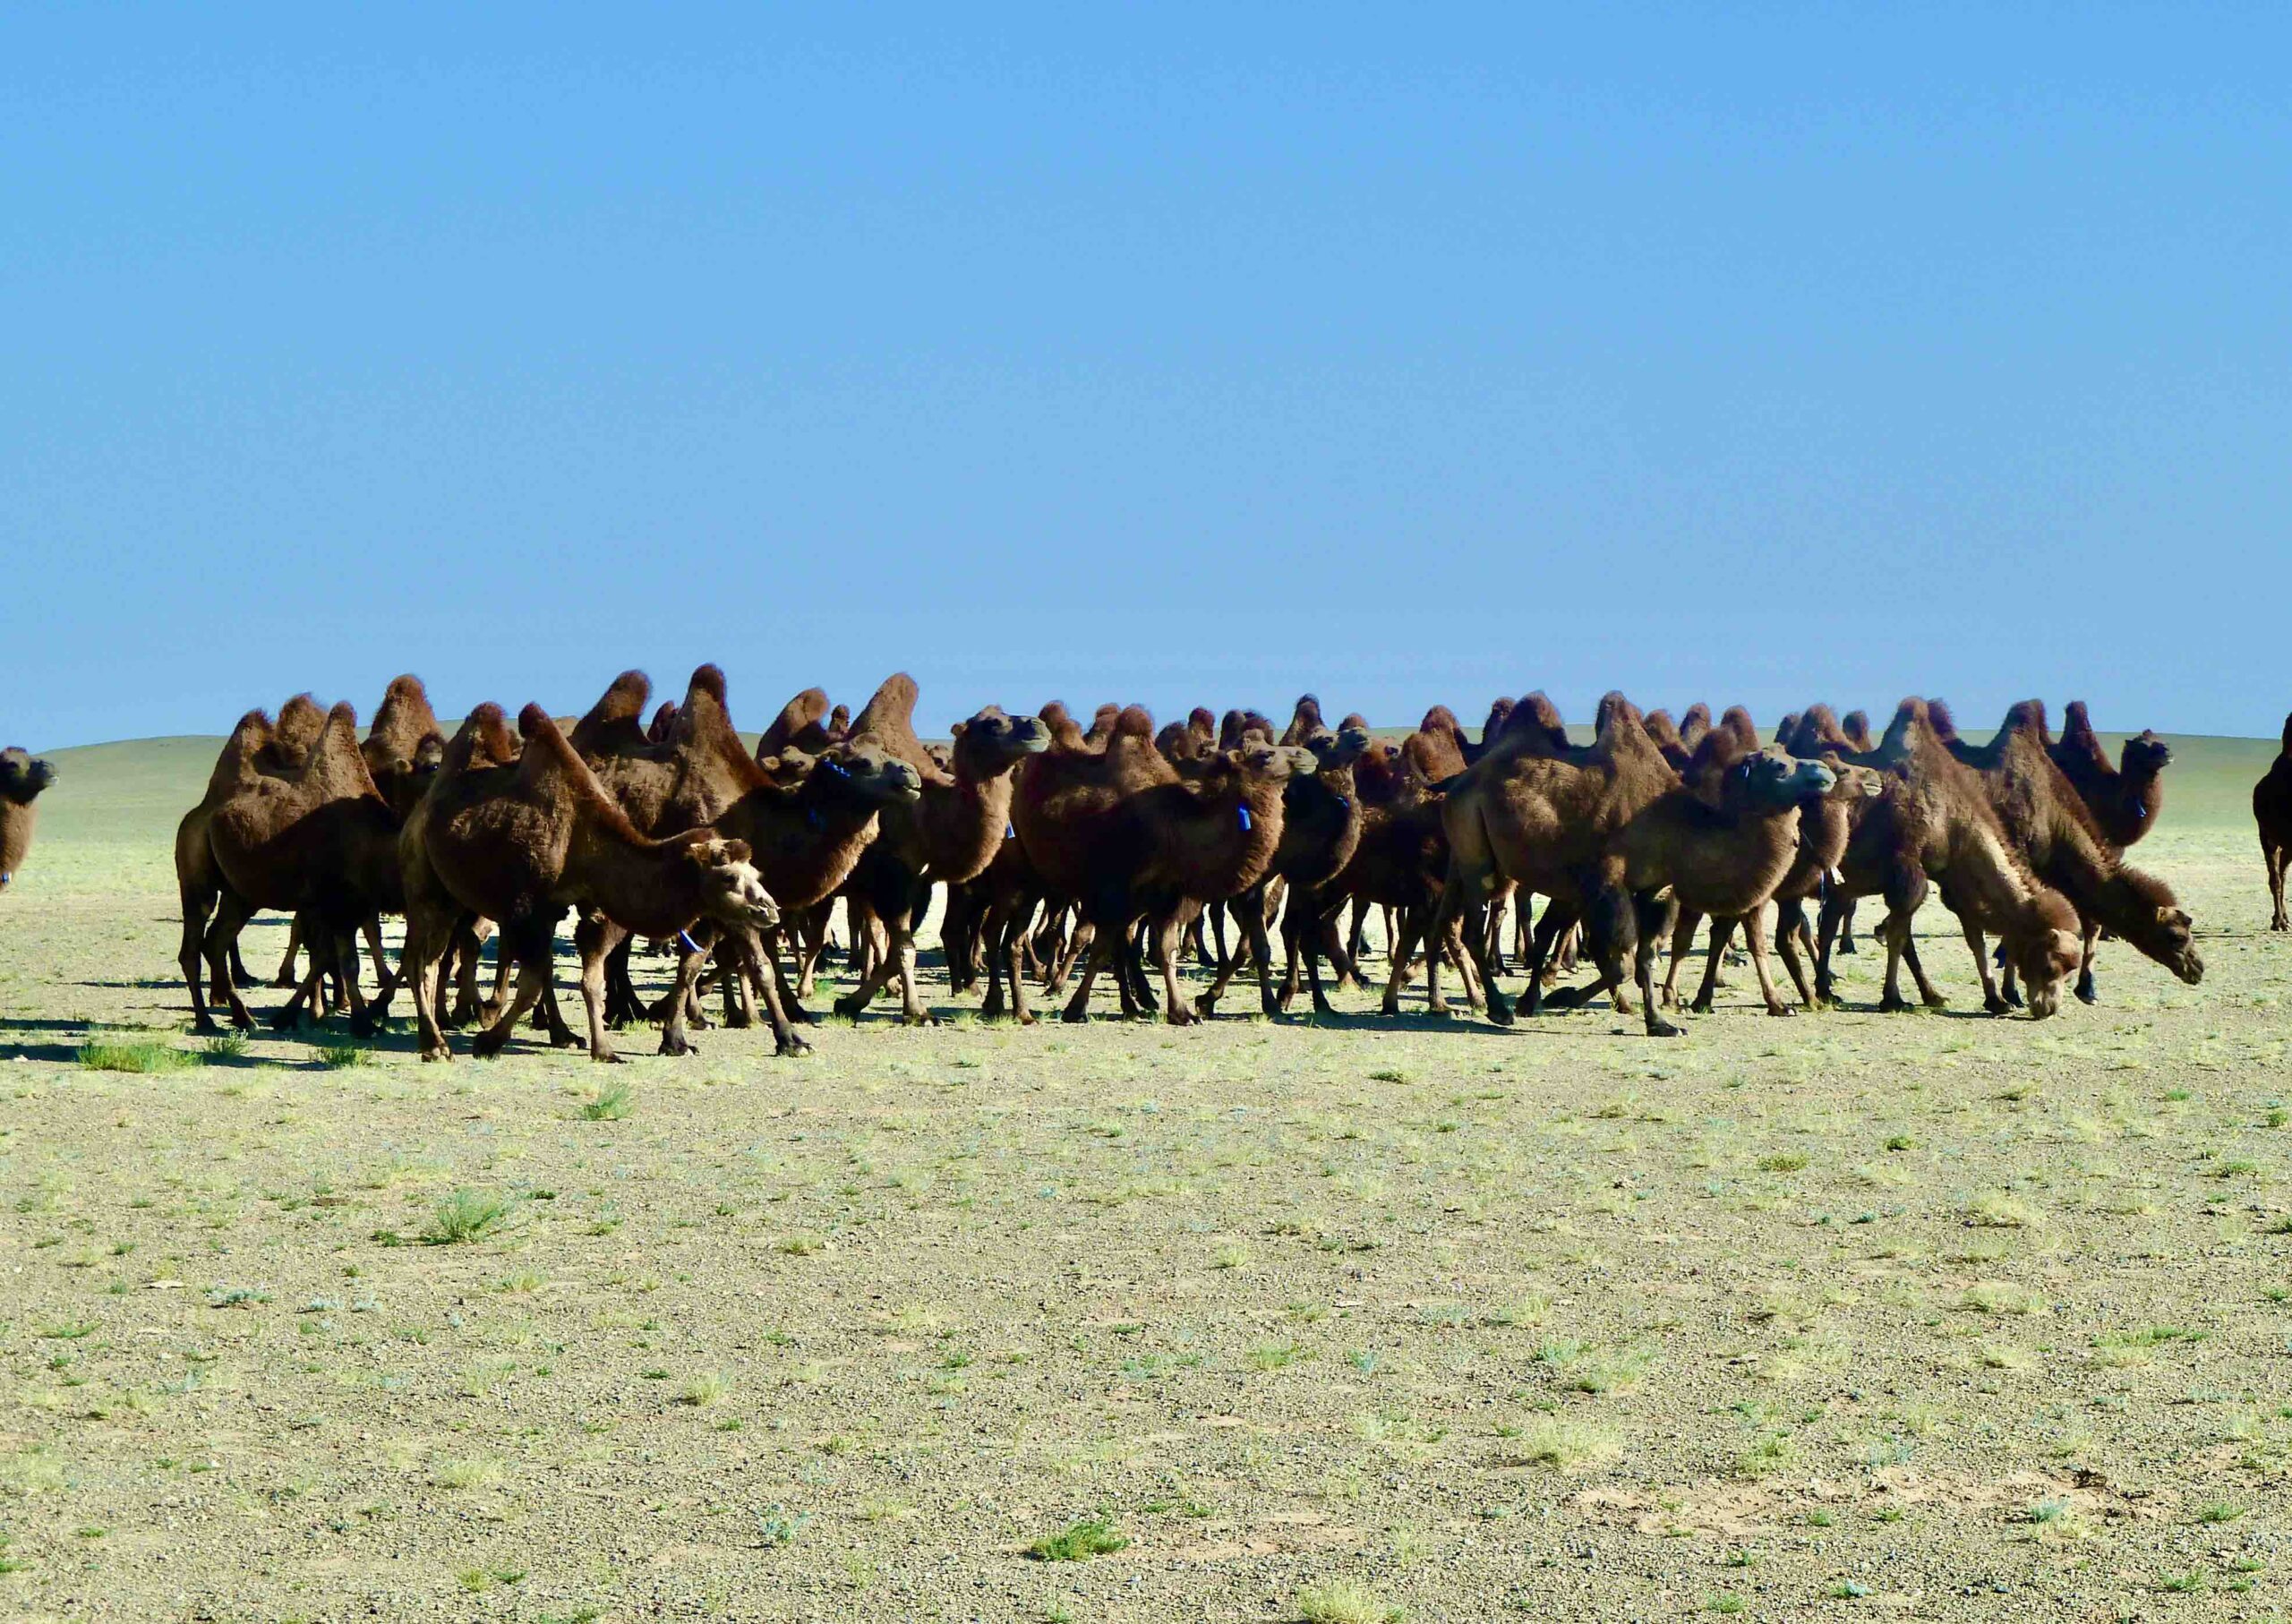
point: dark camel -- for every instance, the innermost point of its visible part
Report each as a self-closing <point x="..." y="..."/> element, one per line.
<point x="21" y="780"/>
<point x="2273" y="811"/>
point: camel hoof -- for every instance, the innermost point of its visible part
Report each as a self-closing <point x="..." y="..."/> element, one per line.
<point x="1076" y="1017"/>
<point x="1996" y="1005"/>
<point x="849" y="1007"/>
<point x="1500" y="1013"/>
<point x="919" y="1018"/>
<point x="2086" y="992"/>
<point x="202" y="1025"/>
<point x="1439" y="1011"/>
<point x="739" y="1021"/>
<point x="1701" y="1006"/>
<point x="1846" y="945"/>
<point x="285" y="1021"/>
<point x="1892" y="1003"/>
<point x="1658" y="1026"/>
<point x="1781" y="1011"/>
<point x="362" y="1025"/>
<point x="440" y="1053"/>
<point x="605" y="1057"/>
<point x="793" y="1048"/>
<point x="1938" y="1002"/>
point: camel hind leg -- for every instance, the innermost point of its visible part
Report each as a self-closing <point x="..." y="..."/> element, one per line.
<point x="2276" y="854"/>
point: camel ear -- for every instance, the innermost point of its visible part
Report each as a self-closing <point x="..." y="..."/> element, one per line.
<point x="735" y="850"/>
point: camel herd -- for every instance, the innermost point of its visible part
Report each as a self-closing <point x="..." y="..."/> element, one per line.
<point x="1068" y="852"/>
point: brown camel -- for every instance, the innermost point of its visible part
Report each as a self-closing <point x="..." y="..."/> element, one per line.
<point x="1719" y="844"/>
<point x="1825" y="826"/>
<point x="2124" y="799"/>
<point x="1546" y="820"/>
<point x="1320" y="830"/>
<point x="521" y="844"/>
<point x="1933" y="822"/>
<point x="2049" y="823"/>
<point x="2273" y="811"/>
<point x="21" y="779"/>
<point x="316" y="841"/>
<point x="951" y="835"/>
<point x="804" y="820"/>
<point x="1165" y="851"/>
<point x="798" y="726"/>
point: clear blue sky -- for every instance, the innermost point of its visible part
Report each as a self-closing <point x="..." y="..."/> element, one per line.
<point x="1160" y="354"/>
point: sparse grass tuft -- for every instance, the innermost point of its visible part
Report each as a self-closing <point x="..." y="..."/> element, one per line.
<point x="610" y="1103"/>
<point x="1343" y="1602"/>
<point x="102" y="1055"/>
<point x="705" y="1390"/>
<point x="228" y="1046"/>
<point x="465" y="1215"/>
<point x="1550" y="1440"/>
<point x="1078" y="1541"/>
<point x="341" y="1056"/>
<point x="2001" y="1212"/>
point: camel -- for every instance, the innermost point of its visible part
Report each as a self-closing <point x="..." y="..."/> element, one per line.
<point x="2273" y="811"/>
<point x="1933" y="822"/>
<point x="1546" y="819"/>
<point x="1320" y="830"/>
<point x="1164" y="851"/>
<point x="798" y="726"/>
<point x="521" y="844"/>
<point x="2058" y="837"/>
<point x="2125" y="798"/>
<point x="804" y="820"/>
<point x="1718" y="844"/>
<point x="951" y="835"/>
<point x="317" y="841"/>
<point x="21" y="780"/>
<point x="1825" y="826"/>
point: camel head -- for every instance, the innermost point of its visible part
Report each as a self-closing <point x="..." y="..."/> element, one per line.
<point x="2047" y="947"/>
<point x="1853" y="783"/>
<point x="1770" y="780"/>
<point x="21" y="777"/>
<point x="992" y="743"/>
<point x="869" y="773"/>
<point x="2155" y="923"/>
<point x="2144" y="757"/>
<point x="1335" y="750"/>
<point x="731" y="890"/>
<point x="1269" y="763"/>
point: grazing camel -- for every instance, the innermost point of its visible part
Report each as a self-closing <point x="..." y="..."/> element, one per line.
<point x="952" y="833"/>
<point x="2125" y="798"/>
<point x="317" y="841"/>
<point x="1545" y="820"/>
<point x="2273" y="811"/>
<point x="1933" y="822"/>
<point x="521" y="844"/>
<point x="2056" y="836"/>
<point x="21" y="779"/>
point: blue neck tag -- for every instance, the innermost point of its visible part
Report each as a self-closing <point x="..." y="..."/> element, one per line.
<point x="1010" y="831"/>
<point x="684" y="940"/>
<point x="1244" y="811"/>
<point x="2140" y="811"/>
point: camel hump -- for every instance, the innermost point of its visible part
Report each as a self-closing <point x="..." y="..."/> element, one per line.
<point x="1440" y="719"/>
<point x="2076" y="723"/>
<point x="1200" y="723"/>
<point x="891" y="703"/>
<point x="1305" y="720"/>
<point x="708" y="678"/>
<point x="1910" y="718"/>
<point x="1857" y="730"/>
<point x="1620" y="722"/>
<point x="1535" y="715"/>
<point x="665" y="722"/>
<point x="804" y="711"/>
<point x="625" y="699"/>
<point x="1945" y="725"/>
<point x="2026" y="716"/>
<point x="615" y="725"/>
<point x="550" y="767"/>
<point x="1738" y="721"/>
<point x="1696" y="715"/>
<point x="1134" y="721"/>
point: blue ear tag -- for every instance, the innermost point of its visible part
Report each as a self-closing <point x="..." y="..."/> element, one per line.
<point x="1244" y="811"/>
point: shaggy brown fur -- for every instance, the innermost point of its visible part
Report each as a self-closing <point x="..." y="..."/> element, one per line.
<point x="1547" y="822"/>
<point x="1401" y="861"/>
<point x="21" y="780"/>
<point x="798" y="726"/>
<point x="1164" y="851"/>
<point x="2273" y="811"/>
<point x="1721" y="842"/>
<point x="2125" y="799"/>
<point x="1934" y="822"/>
<point x="317" y="841"/>
<point x="521" y="844"/>
<point x="1438" y="745"/>
<point x="952" y="833"/>
<point x="2056" y="836"/>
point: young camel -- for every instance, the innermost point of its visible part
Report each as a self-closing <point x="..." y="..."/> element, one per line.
<point x="1718" y="845"/>
<point x="1933" y="822"/>
<point x="522" y="844"/>
<point x="952" y="833"/>
<point x="2273" y="811"/>
<point x="21" y="780"/>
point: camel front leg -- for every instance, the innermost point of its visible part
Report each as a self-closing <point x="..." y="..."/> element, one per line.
<point x="1791" y="934"/>
<point x="2276" y="855"/>
<point x="1720" y="930"/>
<point x="532" y="961"/>
<point x="1400" y="946"/>
<point x="222" y="939"/>
<point x="2086" y="991"/>
<point x="1992" y="999"/>
<point x="287" y="977"/>
<point x="1643" y="918"/>
<point x="1682" y="940"/>
<point x="1754" y="933"/>
<point x="420" y="960"/>
<point x="1176" y="1008"/>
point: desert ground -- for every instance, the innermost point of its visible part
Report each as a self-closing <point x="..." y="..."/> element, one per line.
<point x="1933" y="1316"/>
